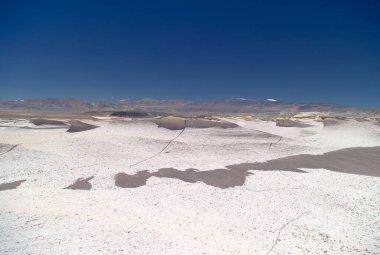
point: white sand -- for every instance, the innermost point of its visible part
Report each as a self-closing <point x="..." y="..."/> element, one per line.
<point x="338" y="212"/>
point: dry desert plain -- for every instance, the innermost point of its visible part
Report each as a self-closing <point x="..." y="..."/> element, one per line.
<point x="226" y="185"/>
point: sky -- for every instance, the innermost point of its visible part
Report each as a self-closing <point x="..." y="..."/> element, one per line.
<point x="300" y="51"/>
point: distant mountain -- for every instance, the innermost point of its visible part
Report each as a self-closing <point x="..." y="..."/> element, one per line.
<point x="152" y="103"/>
<point x="234" y="105"/>
<point x="251" y="105"/>
<point x="49" y="104"/>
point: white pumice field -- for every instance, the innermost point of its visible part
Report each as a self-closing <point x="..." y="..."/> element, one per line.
<point x="132" y="187"/>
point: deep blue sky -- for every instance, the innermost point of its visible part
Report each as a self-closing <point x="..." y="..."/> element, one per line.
<point x="317" y="51"/>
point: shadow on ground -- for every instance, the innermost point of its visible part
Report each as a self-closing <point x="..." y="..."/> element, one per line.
<point x="359" y="160"/>
<point x="11" y="185"/>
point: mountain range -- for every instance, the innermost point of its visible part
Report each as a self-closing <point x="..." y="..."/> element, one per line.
<point x="233" y="105"/>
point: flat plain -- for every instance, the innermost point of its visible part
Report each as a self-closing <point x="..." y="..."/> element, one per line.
<point x="172" y="185"/>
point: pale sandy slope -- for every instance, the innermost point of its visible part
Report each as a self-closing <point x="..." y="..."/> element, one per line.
<point x="326" y="211"/>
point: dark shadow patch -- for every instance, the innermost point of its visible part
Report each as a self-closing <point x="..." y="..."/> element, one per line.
<point x="81" y="183"/>
<point x="78" y="126"/>
<point x="259" y="166"/>
<point x="176" y="123"/>
<point x="41" y="122"/>
<point x="196" y="123"/>
<point x="11" y="185"/>
<point x="130" y="114"/>
<point x="139" y="179"/>
<point x="171" y="123"/>
<point x="291" y="123"/>
<point x="221" y="178"/>
<point x="328" y="122"/>
<point x="358" y="160"/>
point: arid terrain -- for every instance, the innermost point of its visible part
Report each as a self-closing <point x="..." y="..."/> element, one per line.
<point x="124" y="182"/>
